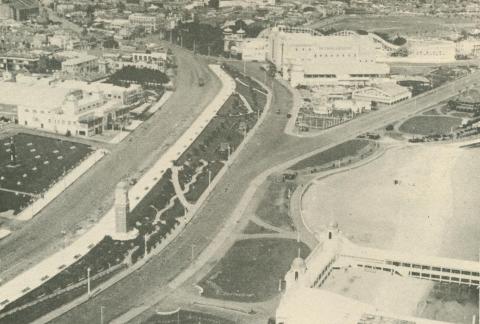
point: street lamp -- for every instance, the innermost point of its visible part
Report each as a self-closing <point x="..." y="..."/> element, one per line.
<point x="64" y="234"/>
<point x="101" y="314"/>
<point x="193" y="251"/>
<point x="88" y="281"/>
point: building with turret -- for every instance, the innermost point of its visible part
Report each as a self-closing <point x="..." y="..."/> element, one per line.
<point x="304" y="301"/>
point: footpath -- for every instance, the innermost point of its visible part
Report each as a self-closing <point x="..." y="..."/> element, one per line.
<point x="49" y="267"/>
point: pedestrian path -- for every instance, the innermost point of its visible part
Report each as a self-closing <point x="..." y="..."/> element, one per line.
<point x="178" y="189"/>
<point x="49" y="267"/>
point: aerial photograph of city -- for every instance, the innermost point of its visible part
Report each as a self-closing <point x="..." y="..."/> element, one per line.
<point x="239" y="161"/>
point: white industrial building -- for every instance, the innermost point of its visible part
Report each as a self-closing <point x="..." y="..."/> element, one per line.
<point x="468" y="47"/>
<point x="305" y="57"/>
<point x="434" y="51"/>
<point x="254" y="49"/>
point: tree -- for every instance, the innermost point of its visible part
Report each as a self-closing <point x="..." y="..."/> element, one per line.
<point x="110" y="43"/>
<point x="121" y="7"/>
<point x="90" y="10"/>
<point x="214" y="4"/>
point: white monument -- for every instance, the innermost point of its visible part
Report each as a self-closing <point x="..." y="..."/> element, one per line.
<point x="122" y="210"/>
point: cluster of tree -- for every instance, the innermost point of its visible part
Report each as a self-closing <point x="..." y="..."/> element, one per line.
<point x="46" y="65"/>
<point x="252" y="30"/>
<point x="398" y="40"/>
<point x="401" y="52"/>
<point x="110" y="43"/>
<point x="205" y="38"/>
<point x="148" y="78"/>
<point x="214" y="4"/>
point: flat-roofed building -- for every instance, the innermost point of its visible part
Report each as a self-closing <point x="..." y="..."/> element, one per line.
<point x="24" y="9"/>
<point x="18" y="61"/>
<point x="74" y="109"/>
<point x="151" y="60"/>
<point x="64" y="40"/>
<point x="329" y="73"/>
<point x="80" y="65"/>
<point x="383" y="94"/>
<point x="127" y="96"/>
<point x="151" y="23"/>
<point x="254" y="49"/>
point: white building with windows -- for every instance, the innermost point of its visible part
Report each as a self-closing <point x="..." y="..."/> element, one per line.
<point x="151" y="23"/>
<point x="72" y="107"/>
<point x="80" y="65"/>
<point x="254" y="49"/>
<point x="304" y="301"/>
<point x="468" y="47"/>
<point x="305" y="57"/>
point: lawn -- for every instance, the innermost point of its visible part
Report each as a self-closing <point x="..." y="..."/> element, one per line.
<point x="432" y="112"/>
<point x="346" y="149"/>
<point x="251" y="269"/>
<point x="41" y="161"/>
<point x="430" y="125"/>
<point x="253" y="228"/>
<point x="9" y="201"/>
<point x="275" y="203"/>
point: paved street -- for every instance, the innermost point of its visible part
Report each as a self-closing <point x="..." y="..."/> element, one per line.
<point x="269" y="147"/>
<point x="88" y="198"/>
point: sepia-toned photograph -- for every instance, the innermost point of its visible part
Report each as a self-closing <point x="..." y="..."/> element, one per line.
<point x="239" y="161"/>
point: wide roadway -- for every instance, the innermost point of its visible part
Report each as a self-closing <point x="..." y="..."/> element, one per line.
<point x="269" y="147"/>
<point x="90" y="196"/>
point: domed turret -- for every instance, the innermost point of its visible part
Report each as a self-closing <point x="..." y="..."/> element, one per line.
<point x="332" y="229"/>
<point x="333" y="225"/>
<point x="298" y="264"/>
<point x="295" y="276"/>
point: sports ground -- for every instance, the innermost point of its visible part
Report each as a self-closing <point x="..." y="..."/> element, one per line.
<point x="415" y="199"/>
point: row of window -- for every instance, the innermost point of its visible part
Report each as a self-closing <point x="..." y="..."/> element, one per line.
<point x="425" y="267"/>
<point x="327" y="269"/>
<point x="426" y="275"/>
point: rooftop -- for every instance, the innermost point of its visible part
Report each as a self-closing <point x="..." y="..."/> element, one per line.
<point x="79" y="60"/>
<point x="24" y="4"/>
<point x="470" y="96"/>
<point x="36" y="97"/>
<point x="346" y="68"/>
<point x="300" y="305"/>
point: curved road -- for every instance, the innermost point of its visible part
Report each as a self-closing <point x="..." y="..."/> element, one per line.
<point x="269" y="147"/>
<point x="84" y="202"/>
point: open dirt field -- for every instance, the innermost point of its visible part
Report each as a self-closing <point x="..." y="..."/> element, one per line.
<point x="429" y="212"/>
